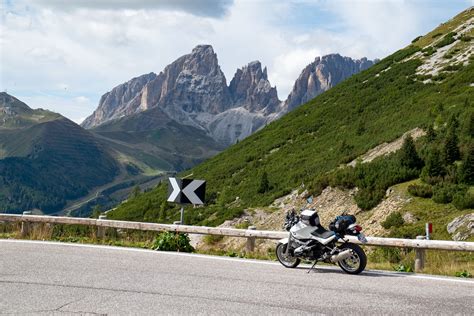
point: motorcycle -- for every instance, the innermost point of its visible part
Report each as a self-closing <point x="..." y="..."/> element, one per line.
<point x="309" y="240"/>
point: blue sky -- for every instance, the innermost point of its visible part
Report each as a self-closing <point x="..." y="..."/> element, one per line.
<point x="63" y="55"/>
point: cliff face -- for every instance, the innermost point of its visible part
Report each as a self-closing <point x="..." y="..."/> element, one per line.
<point x="193" y="91"/>
<point x="122" y="100"/>
<point x="322" y="74"/>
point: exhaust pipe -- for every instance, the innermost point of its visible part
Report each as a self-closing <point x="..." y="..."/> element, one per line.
<point x="341" y="256"/>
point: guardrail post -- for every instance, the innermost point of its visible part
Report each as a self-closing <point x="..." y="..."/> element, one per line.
<point x="419" y="257"/>
<point x="250" y="246"/>
<point x="25" y="226"/>
<point x="101" y="229"/>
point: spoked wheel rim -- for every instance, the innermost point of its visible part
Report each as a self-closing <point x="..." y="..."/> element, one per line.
<point x="286" y="260"/>
<point x="352" y="263"/>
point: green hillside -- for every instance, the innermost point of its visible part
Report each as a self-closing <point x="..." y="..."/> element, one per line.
<point x="45" y="162"/>
<point x="151" y="141"/>
<point x="427" y="84"/>
<point x="16" y="114"/>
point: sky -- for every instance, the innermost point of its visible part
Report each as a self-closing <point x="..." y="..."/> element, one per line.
<point x="64" y="55"/>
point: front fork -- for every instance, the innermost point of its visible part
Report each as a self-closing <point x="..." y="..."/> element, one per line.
<point x="287" y="251"/>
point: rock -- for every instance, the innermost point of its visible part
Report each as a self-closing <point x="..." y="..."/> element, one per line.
<point x="321" y="75"/>
<point x="193" y="91"/>
<point x="122" y="100"/>
<point x="409" y="218"/>
<point x="461" y="227"/>
<point x="251" y="89"/>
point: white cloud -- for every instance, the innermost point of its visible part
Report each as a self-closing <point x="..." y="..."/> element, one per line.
<point x="82" y="99"/>
<point x="54" y="52"/>
<point x="214" y="8"/>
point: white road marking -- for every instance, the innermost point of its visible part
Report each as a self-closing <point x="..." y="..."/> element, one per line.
<point x="210" y="257"/>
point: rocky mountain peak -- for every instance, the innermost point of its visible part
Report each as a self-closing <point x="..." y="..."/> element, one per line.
<point x="193" y="91"/>
<point x="251" y="89"/>
<point x="9" y="101"/>
<point x="121" y="100"/>
<point x="321" y="75"/>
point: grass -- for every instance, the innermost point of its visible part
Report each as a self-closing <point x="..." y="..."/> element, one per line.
<point x="437" y="262"/>
<point x="443" y="29"/>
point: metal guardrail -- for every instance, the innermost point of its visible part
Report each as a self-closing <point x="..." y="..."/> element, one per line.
<point x="251" y="234"/>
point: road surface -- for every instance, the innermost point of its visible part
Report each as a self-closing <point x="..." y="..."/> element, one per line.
<point x="52" y="278"/>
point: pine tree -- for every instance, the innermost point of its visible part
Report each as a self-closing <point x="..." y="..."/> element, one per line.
<point x="96" y="211"/>
<point x="434" y="165"/>
<point x="430" y="134"/>
<point x="163" y="210"/>
<point x="264" y="183"/>
<point x="470" y="124"/>
<point x="451" y="149"/>
<point x="409" y="157"/>
<point x="466" y="172"/>
<point x="453" y="122"/>
<point x="135" y="192"/>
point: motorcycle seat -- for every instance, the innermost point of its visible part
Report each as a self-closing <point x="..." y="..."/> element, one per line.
<point x="321" y="232"/>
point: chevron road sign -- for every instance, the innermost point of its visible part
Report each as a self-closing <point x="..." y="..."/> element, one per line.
<point x="186" y="191"/>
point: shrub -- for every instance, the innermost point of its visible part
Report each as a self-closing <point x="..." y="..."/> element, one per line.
<point x="403" y="268"/>
<point x="463" y="274"/>
<point x="395" y="219"/>
<point x="428" y="51"/>
<point x="170" y="241"/>
<point x="444" y="193"/>
<point x="416" y="39"/>
<point x="368" y="198"/>
<point x="463" y="201"/>
<point x="420" y="190"/>
<point x="447" y="39"/>
<point x="212" y="239"/>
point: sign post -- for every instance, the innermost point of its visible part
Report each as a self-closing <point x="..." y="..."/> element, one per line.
<point x="186" y="191"/>
<point x="429" y="230"/>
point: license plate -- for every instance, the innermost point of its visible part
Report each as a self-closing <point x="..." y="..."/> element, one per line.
<point x="362" y="238"/>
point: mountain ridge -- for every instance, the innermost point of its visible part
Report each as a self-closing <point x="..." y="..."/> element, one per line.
<point x="193" y="90"/>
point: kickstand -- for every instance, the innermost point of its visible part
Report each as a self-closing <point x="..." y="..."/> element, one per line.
<point x="312" y="267"/>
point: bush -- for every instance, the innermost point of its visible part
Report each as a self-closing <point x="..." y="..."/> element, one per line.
<point x="416" y="39"/>
<point x="444" y="193"/>
<point x="367" y="199"/>
<point x="170" y="241"/>
<point x="381" y="254"/>
<point x="428" y="51"/>
<point x="463" y="201"/>
<point x="420" y="190"/>
<point x="447" y="39"/>
<point x="395" y="219"/>
<point x="212" y="239"/>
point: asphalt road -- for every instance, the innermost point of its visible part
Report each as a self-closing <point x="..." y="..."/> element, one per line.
<point x="50" y="278"/>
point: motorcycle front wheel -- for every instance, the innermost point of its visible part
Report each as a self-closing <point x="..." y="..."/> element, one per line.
<point x="356" y="263"/>
<point x="288" y="261"/>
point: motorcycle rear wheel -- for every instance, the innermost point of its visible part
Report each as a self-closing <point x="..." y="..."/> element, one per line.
<point x="356" y="263"/>
<point x="287" y="261"/>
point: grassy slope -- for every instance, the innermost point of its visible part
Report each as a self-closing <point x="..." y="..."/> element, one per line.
<point x="152" y="141"/>
<point x="44" y="164"/>
<point x="367" y="109"/>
